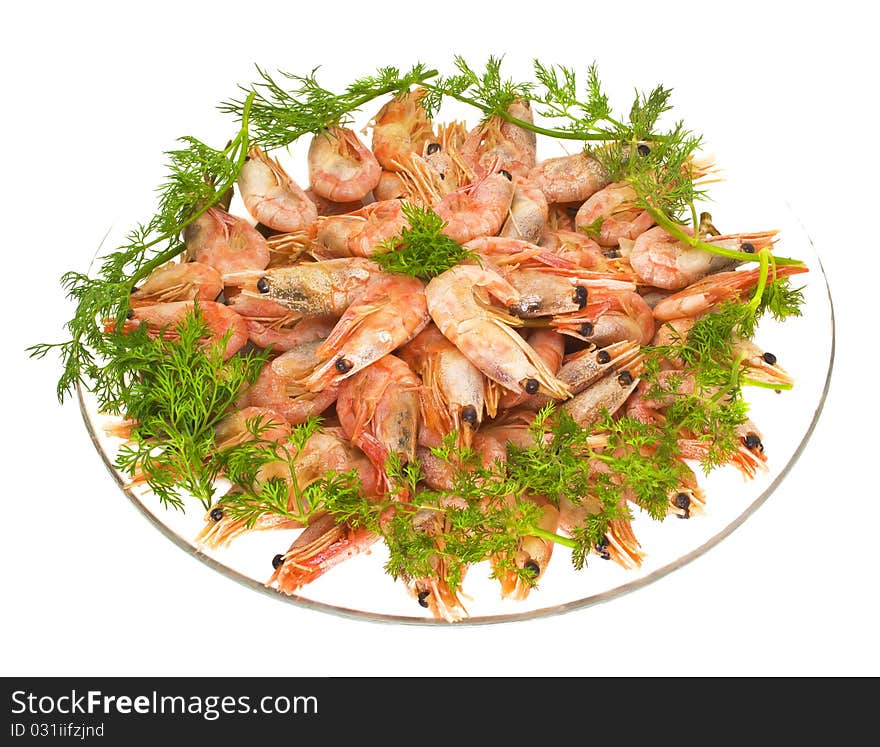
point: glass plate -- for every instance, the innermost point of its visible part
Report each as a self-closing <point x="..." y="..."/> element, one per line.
<point x="360" y="588"/>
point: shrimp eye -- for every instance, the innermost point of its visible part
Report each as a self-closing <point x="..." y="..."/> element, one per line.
<point x="423" y="598"/>
<point x="769" y="358"/>
<point x="469" y="415"/>
<point x="602" y="549"/>
<point x="344" y="366"/>
<point x="586" y="330"/>
<point x="442" y="177"/>
<point x="433" y="148"/>
<point x="603" y="356"/>
<point x="216" y="514"/>
<point x="533" y="568"/>
<point x="129" y="314"/>
<point x="752" y="442"/>
<point x="683" y="501"/>
<point x="263" y="285"/>
<point x="644" y="149"/>
<point x="277" y="561"/>
<point x="748" y="247"/>
<point x="571" y="211"/>
<point x="612" y="254"/>
<point x="507" y="174"/>
<point x="625" y="379"/>
<point x="532" y="386"/>
<point x="580" y="296"/>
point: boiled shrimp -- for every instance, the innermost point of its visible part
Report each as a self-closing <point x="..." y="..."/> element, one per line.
<point x="401" y="128"/>
<point x="582" y="369"/>
<point x="452" y="397"/>
<point x="320" y="547"/>
<point x="381" y="222"/>
<point x="761" y="366"/>
<point x="503" y="252"/>
<point x="378" y="409"/>
<point x="324" y="289"/>
<point x="569" y="178"/>
<point x="162" y="319"/>
<point x="619" y="542"/>
<point x="477" y="210"/>
<point x="444" y="158"/>
<point x="617" y="316"/>
<point x="688" y="498"/>
<point x="341" y="167"/>
<point x="661" y="260"/>
<point x="242" y="426"/>
<point x="614" y="208"/>
<point x="178" y="281"/>
<point x="498" y="143"/>
<point x="389" y="312"/>
<point x="578" y="248"/>
<point x="271" y="196"/>
<point x="705" y="294"/>
<point x="220" y="529"/>
<point x="547" y="293"/>
<point x="391" y="186"/>
<point x="550" y="347"/>
<point x="560" y="216"/>
<point x="527" y="216"/>
<point x="748" y="460"/>
<point x="277" y="387"/>
<point x="532" y="555"/>
<point x="434" y="592"/>
<point x="327" y="207"/>
<point x="605" y="396"/>
<point x="271" y="324"/>
<point x="225" y="242"/>
<point x="363" y="232"/>
<point x="458" y="301"/>
<point x="249" y="424"/>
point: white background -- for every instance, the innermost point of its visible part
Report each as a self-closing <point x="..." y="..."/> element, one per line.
<point x="94" y="93"/>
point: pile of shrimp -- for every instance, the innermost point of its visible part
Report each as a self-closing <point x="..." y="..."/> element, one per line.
<point x="394" y="365"/>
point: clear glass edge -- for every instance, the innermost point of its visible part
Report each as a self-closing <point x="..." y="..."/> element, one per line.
<point x="543" y="612"/>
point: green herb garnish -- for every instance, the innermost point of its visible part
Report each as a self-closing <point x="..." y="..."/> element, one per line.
<point x="176" y="391"/>
<point x="280" y="116"/>
<point x="422" y="249"/>
<point x="198" y="176"/>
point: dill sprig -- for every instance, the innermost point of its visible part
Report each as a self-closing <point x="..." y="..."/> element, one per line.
<point x="554" y="467"/>
<point x="673" y="228"/>
<point x="198" y="176"/>
<point x="637" y="457"/>
<point x="176" y="391"/>
<point x="280" y="116"/>
<point x="421" y="249"/>
<point x="640" y="457"/>
<point x="488" y="91"/>
<point x="253" y="496"/>
<point x="715" y="407"/>
<point x="560" y="99"/>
